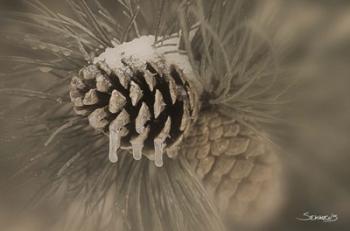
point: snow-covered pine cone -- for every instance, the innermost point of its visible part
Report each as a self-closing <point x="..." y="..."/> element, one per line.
<point x="147" y="103"/>
<point x="147" y="106"/>
<point x="237" y="167"/>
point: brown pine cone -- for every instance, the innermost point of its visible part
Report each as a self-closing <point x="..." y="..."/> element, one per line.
<point x="145" y="107"/>
<point x="237" y="167"/>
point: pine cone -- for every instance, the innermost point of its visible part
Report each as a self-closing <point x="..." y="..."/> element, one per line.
<point x="146" y="107"/>
<point x="235" y="165"/>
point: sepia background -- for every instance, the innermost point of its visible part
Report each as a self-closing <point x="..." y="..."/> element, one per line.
<point x="315" y="139"/>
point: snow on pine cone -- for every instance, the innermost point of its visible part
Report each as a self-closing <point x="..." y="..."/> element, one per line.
<point x="137" y="97"/>
<point x="237" y="167"/>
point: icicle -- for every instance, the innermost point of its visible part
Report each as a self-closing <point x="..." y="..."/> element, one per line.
<point x="114" y="144"/>
<point x="158" y="154"/>
<point x="138" y="143"/>
<point x="159" y="143"/>
<point x="117" y="130"/>
<point x="137" y="152"/>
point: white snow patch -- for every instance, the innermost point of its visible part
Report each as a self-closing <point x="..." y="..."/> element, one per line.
<point x="142" y="50"/>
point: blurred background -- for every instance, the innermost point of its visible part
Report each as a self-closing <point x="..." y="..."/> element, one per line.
<point x="315" y="143"/>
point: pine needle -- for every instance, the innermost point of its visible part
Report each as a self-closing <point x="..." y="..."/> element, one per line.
<point x="30" y="94"/>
